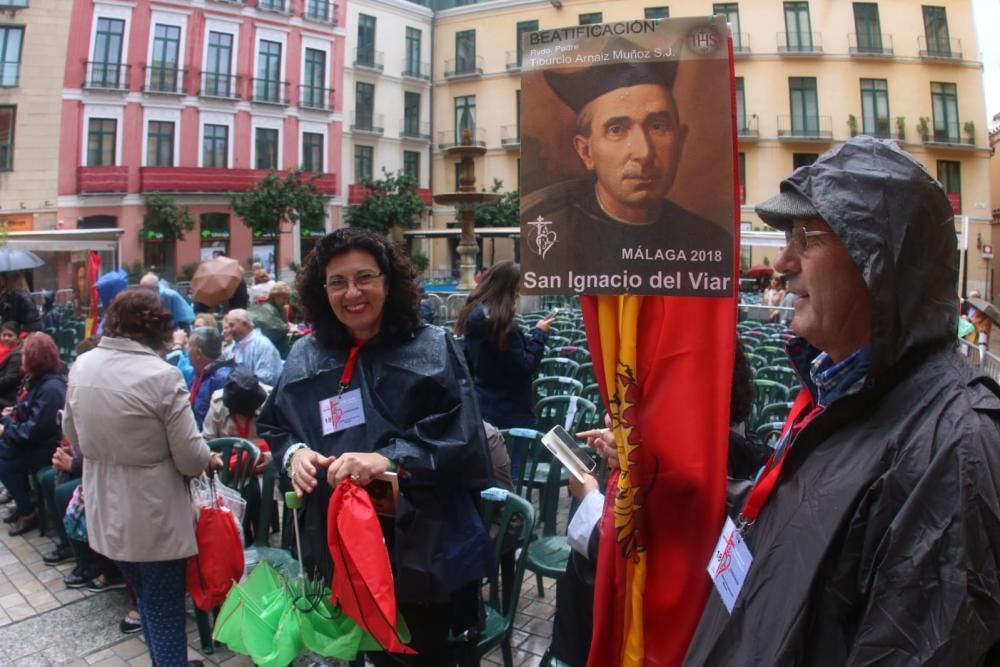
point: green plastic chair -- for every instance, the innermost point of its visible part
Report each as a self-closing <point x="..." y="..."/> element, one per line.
<point x="555" y="385"/>
<point x="775" y="412"/>
<point x="501" y="603"/>
<point x="581" y="355"/>
<point x="571" y="412"/>
<point x="548" y="554"/>
<point x="585" y="374"/>
<point x="766" y="392"/>
<point x="555" y="340"/>
<point x="782" y="374"/>
<point x="557" y="366"/>
<point x="769" y="433"/>
<point x="532" y="437"/>
<point x="775" y="355"/>
<point x="755" y="360"/>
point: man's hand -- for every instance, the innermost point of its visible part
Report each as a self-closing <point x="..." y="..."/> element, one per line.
<point x="360" y="468"/>
<point x="603" y="440"/>
<point x="581" y="490"/>
<point x="305" y="464"/>
<point x="265" y="460"/>
<point x="180" y="338"/>
<point x="61" y="460"/>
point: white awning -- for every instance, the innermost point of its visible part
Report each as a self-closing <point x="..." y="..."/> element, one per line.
<point x="69" y="240"/>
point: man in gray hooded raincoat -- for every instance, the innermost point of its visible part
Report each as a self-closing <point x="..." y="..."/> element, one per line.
<point x="880" y="539"/>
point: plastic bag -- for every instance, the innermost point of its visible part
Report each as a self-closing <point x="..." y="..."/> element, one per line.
<point x="210" y="492"/>
<point x="75" y="521"/>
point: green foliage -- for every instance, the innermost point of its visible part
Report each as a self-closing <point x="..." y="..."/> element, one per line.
<point x="420" y="261"/>
<point x="277" y="201"/>
<point x="506" y="212"/>
<point x="393" y="201"/>
<point x="923" y="127"/>
<point x="135" y="272"/>
<point x="165" y="220"/>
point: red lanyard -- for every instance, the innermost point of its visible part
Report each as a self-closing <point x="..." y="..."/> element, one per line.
<point x="243" y="430"/>
<point x="803" y="410"/>
<point x="352" y="360"/>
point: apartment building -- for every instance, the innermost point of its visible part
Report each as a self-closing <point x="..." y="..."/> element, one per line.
<point x="809" y="74"/>
<point x="33" y="37"/>
<point x="198" y="100"/>
<point x="387" y="92"/>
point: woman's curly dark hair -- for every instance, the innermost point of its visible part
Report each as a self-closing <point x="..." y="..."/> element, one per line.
<point x="139" y="315"/>
<point x="401" y="312"/>
<point x="741" y="398"/>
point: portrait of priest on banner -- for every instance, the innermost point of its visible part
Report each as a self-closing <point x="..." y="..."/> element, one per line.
<point x="640" y="199"/>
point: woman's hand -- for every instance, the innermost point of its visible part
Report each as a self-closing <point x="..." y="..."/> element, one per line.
<point x="305" y="464"/>
<point x="546" y="324"/>
<point x="603" y="440"/>
<point x="581" y="490"/>
<point x="360" y="468"/>
<point x="62" y="460"/>
<point x="215" y="462"/>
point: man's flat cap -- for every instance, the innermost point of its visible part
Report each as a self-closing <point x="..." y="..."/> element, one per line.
<point x="579" y="86"/>
<point x="781" y="209"/>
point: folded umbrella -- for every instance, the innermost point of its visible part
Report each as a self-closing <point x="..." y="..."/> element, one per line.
<point x="985" y="307"/>
<point x="362" y="575"/>
<point x="216" y="281"/>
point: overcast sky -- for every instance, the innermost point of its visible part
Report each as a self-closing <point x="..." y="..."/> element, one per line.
<point x="987" y="15"/>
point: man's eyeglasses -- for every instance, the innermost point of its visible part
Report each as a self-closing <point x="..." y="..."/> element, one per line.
<point x="798" y="237"/>
<point x="361" y="280"/>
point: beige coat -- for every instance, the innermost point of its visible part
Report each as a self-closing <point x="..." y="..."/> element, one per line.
<point x="131" y="415"/>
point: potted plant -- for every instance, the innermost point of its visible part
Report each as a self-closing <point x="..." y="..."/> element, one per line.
<point x="924" y="128"/>
<point x="901" y="128"/>
<point x="970" y="131"/>
<point x="852" y="123"/>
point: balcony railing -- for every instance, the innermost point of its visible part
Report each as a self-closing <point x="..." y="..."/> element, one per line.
<point x="106" y="76"/>
<point x="810" y="128"/>
<point x="455" y="68"/>
<point x="946" y="138"/>
<point x="13" y="4"/>
<point x="750" y="130"/>
<point x="220" y="86"/>
<point x="451" y="138"/>
<point x="741" y="43"/>
<point x="946" y="49"/>
<point x="869" y="45"/>
<point x="102" y="180"/>
<point x="277" y="6"/>
<point x="163" y="79"/>
<point x="795" y="43"/>
<point x="270" y="91"/>
<point x="372" y="123"/>
<point x="510" y="136"/>
<point x="368" y="59"/>
<point x="315" y="97"/>
<point x="239" y="3"/>
<point x="321" y="11"/>
<point x="880" y="128"/>
<point x="416" y="70"/>
<point x="414" y="129"/>
<point x="513" y="62"/>
<point x="207" y="179"/>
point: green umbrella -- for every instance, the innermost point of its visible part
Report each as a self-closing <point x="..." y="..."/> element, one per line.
<point x="272" y="618"/>
<point x="965" y="327"/>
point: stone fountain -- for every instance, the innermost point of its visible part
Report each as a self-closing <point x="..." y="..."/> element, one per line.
<point x="466" y="201"/>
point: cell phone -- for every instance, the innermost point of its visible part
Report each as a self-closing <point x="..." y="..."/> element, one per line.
<point x="552" y="313"/>
<point x="565" y="448"/>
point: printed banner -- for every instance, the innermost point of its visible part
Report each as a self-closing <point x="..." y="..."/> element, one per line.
<point x="627" y="159"/>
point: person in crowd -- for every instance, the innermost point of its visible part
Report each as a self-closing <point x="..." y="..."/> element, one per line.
<point x="788" y="303"/>
<point x="420" y="420"/>
<point x="233" y="414"/>
<point x="30" y="433"/>
<point x="427" y="312"/>
<point x="179" y="309"/>
<point x="501" y="358"/>
<point x="270" y="317"/>
<point x="50" y="314"/>
<point x="774" y="295"/>
<point x="251" y="348"/>
<point x="206" y="320"/>
<point x="281" y="300"/>
<point x="872" y="531"/>
<point x="16" y="303"/>
<point x="210" y="367"/>
<point x="11" y="347"/>
<point x="129" y="412"/>
<point x="979" y="319"/>
<point x="262" y="284"/>
<point x="177" y="355"/>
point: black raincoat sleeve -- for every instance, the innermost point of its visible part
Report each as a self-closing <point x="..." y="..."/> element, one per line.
<point x="933" y="583"/>
<point x="10" y="374"/>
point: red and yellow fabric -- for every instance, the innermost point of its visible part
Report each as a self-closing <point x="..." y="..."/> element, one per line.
<point x="665" y="370"/>
<point x="93" y="268"/>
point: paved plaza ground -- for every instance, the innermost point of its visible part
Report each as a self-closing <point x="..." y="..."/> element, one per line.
<point x="42" y="623"/>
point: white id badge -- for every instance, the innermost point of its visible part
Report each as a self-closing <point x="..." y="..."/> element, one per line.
<point x="729" y="564"/>
<point x="342" y="412"/>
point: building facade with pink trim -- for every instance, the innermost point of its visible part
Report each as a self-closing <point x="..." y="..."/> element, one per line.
<point x="196" y="100"/>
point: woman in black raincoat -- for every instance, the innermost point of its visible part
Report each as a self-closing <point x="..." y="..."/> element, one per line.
<point x="418" y="417"/>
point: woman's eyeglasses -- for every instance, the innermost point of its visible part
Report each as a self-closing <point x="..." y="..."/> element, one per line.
<point x="361" y="280"/>
<point x="799" y="237"/>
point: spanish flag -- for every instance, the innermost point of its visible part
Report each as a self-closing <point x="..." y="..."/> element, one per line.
<point x="93" y="268"/>
<point x="665" y="370"/>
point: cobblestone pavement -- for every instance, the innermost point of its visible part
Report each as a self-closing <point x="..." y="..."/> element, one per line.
<point x="43" y="623"/>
